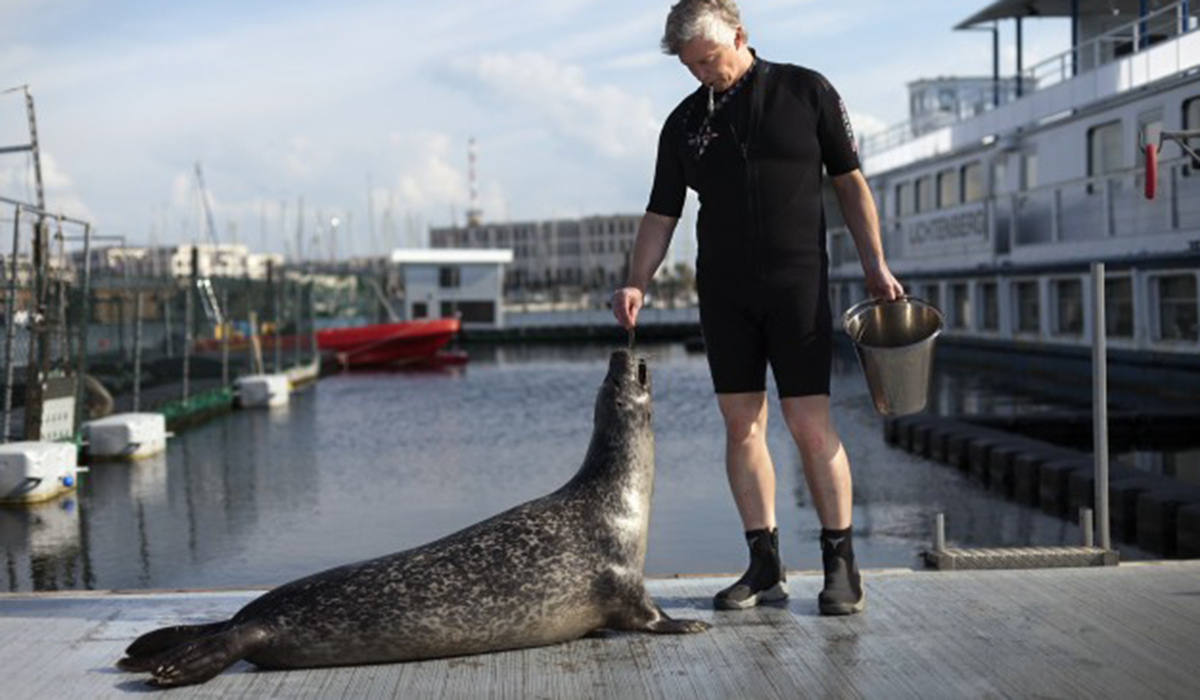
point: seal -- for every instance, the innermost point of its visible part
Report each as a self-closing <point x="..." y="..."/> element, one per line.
<point x="550" y="570"/>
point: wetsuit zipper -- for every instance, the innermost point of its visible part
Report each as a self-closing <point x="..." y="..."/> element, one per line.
<point x="758" y="237"/>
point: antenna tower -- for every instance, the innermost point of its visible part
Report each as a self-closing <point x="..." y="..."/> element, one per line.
<point x="474" y="213"/>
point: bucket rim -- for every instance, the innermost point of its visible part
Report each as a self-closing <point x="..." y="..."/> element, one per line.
<point x="861" y="306"/>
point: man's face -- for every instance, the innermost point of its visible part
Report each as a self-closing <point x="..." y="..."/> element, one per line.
<point x="715" y="65"/>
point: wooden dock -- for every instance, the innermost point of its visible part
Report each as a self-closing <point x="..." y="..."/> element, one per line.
<point x="1127" y="631"/>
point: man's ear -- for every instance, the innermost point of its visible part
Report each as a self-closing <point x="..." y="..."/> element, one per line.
<point x="739" y="39"/>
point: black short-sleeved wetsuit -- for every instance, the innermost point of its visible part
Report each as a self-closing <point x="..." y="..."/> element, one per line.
<point x="762" y="269"/>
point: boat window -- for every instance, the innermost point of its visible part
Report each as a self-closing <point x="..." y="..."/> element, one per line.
<point x="1025" y="300"/>
<point x="1177" y="307"/>
<point x="960" y="300"/>
<point x="470" y="311"/>
<point x="1118" y="307"/>
<point x="925" y="196"/>
<point x="932" y="294"/>
<point x="947" y="100"/>
<point x="449" y="277"/>
<point x="1191" y="122"/>
<point x="1104" y="148"/>
<point x="947" y="188"/>
<point x="1029" y="170"/>
<point x="972" y="182"/>
<point x="420" y="309"/>
<point x="999" y="176"/>
<point x="989" y="307"/>
<point x="1068" y="298"/>
<point x="904" y="199"/>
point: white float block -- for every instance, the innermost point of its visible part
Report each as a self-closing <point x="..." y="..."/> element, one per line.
<point x="127" y="435"/>
<point x="263" y="390"/>
<point x="36" y="471"/>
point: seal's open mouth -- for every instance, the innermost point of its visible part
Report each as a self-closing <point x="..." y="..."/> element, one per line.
<point x="642" y="372"/>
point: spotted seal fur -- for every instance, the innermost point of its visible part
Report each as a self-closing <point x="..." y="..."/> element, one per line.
<point x="547" y="571"/>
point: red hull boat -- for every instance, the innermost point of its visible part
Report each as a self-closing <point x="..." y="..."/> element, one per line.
<point x="387" y="344"/>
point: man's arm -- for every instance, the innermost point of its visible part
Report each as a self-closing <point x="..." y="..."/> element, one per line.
<point x="858" y="209"/>
<point x="649" y="249"/>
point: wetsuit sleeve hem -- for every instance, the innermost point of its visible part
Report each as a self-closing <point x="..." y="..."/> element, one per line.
<point x="839" y="151"/>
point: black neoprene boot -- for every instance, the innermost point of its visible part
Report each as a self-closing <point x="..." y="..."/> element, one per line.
<point x="843" y="592"/>
<point x="764" y="581"/>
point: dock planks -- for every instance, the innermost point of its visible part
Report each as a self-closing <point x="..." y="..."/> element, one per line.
<point x="1127" y="631"/>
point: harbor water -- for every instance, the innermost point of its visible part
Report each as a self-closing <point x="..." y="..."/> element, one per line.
<point x="366" y="464"/>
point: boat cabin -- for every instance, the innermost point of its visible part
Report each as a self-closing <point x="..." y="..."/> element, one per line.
<point x="443" y="283"/>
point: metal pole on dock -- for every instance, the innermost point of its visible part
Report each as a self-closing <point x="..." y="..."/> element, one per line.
<point x="187" y="338"/>
<point x="298" y="313"/>
<point x="137" y="352"/>
<point x="167" y="322"/>
<point x="312" y="322"/>
<point x="85" y="317"/>
<point x="39" y="359"/>
<point x="277" y="303"/>
<point x="64" y="345"/>
<point x="1100" y="403"/>
<point x="225" y="326"/>
<point x="9" y="324"/>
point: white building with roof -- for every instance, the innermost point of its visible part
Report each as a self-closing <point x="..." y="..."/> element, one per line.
<point x="440" y="283"/>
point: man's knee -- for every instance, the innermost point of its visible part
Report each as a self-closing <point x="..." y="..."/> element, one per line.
<point x="813" y="433"/>
<point x="745" y="418"/>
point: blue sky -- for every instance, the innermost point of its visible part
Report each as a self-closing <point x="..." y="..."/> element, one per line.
<point x="368" y="100"/>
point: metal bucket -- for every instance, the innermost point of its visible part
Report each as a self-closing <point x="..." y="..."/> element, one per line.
<point x="894" y="341"/>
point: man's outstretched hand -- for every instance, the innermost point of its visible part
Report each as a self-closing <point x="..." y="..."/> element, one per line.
<point x="626" y="303"/>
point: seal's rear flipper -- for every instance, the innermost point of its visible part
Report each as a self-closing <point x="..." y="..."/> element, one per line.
<point x="201" y="659"/>
<point x="141" y="655"/>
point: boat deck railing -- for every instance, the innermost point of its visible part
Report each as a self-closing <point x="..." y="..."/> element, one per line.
<point x="1106" y="210"/>
<point x="1134" y="37"/>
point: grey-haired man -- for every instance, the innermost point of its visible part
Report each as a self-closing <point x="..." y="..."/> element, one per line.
<point x="753" y="141"/>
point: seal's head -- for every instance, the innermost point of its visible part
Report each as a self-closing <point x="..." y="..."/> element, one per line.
<point x="624" y="398"/>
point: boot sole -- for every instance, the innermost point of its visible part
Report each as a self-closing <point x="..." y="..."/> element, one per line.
<point x="773" y="594"/>
<point x="844" y="608"/>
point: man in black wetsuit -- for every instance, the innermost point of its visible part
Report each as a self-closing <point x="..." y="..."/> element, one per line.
<point x="752" y="142"/>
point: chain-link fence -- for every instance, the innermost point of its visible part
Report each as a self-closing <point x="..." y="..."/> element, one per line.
<point x="88" y="332"/>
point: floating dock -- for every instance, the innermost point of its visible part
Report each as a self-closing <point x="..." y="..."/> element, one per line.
<point x="1127" y="631"/>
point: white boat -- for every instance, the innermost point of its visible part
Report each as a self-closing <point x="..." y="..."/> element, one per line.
<point x="997" y="194"/>
<point x="31" y="472"/>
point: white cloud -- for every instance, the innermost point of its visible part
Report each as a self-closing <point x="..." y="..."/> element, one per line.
<point x="636" y="59"/>
<point x="864" y="123"/>
<point x="427" y="177"/>
<point x="605" y="118"/>
<point x="565" y="97"/>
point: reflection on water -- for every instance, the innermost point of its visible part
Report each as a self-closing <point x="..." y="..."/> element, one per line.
<point x="367" y="464"/>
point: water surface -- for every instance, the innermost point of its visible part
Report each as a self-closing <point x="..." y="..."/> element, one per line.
<point x="367" y="464"/>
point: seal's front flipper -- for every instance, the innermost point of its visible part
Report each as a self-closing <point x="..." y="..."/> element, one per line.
<point x="145" y="650"/>
<point x="665" y="624"/>
<point x="199" y="660"/>
<point x="646" y="616"/>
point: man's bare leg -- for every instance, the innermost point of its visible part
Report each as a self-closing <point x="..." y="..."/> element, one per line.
<point x="752" y="480"/>
<point x="747" y="462"/>
<point x="827" y="473"/>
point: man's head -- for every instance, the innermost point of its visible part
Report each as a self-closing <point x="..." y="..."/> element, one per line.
<point x="708" y="38"/>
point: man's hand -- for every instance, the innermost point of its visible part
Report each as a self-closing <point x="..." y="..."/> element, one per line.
<point x="626" y="303"/>
<point x="880" y="283"/>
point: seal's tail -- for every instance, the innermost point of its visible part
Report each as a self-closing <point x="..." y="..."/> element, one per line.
<point x="198" y="658"/>
<point x="142" y="654"/>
